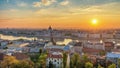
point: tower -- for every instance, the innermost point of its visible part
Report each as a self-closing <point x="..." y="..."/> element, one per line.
<point x="51" y="35"/>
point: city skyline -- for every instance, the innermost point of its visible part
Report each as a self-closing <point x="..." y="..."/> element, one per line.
<point x="75" y="14"/>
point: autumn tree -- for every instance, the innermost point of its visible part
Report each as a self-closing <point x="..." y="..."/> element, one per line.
<point x="112" y="66"/>
<point x="9" y="61"/>
<point x="88" y="65"/>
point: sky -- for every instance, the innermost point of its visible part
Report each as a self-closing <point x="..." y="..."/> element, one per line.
<point x="68" y="14"/>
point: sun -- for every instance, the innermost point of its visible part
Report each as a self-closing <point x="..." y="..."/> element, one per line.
<point x="94" y="22"/>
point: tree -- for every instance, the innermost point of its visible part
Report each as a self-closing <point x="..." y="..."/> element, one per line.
<point x="80" y="65"/>
<point x="42" y="60"/>
<point x="85" y="58"/>
<point x="99" y="66"/>
<point x="9" y="61"/>
<point x="75" y="61"/>
<point x="88" y="65"/>
<point x="102" y="53"/>
<point x="112" y="66"/>
<point x="119" y="63"/>
<point x="23" y="64"/>
<point x="40" y="51"/>
<point x="71" y="64"/>
<point x="64" y="59"/>
<point x="51" y="65"/>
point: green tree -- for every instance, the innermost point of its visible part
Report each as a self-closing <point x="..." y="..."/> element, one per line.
<point x="88" y="65"/>
<point x="71" y="64"/>
<point x="42" y="60"/>
<point x="80" y="65"/>
<point x="99" y="66"/>
<point x="119" y="63"/>
<point x="40" y="51"/>
<point x="75" y="61"/>
<point x="64" y="59"/>
<point x="51" y="65"/>
<point x="85" y="58"/>
<point x="112" y="66"/>
<point x="102" y="53"/>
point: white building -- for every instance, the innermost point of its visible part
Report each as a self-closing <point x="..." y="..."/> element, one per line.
<point x="56" y="58"/>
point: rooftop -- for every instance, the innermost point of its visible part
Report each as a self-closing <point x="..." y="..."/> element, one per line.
<point x="55" y="55"/>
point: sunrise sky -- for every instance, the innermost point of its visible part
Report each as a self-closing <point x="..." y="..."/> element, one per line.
<point x="76" y="14"/>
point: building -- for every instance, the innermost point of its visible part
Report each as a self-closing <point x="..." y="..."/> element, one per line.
<point x="77" y="48"/>
<point x="95" y="36"/>
<point x="2" y="56"/>
<point x="91" y="51"/>
<point x="107" y="36"/>
<point x="51" y="35"/>
<point x="56" y="58"/>
<point x="113" y="57"/>
<point x="94" y="45"/>
<point x="21" y="56"/>
<point x="109" y="46"/>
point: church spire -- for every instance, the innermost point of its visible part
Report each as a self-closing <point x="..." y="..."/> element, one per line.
<point x="51" y="35"/>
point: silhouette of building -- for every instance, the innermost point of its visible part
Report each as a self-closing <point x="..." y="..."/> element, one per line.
<point x="51" y="35"/>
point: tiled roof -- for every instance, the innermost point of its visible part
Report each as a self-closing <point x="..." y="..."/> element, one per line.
<point x="2" y="56"/>
<point x="109" y="44"/>
<point x="91" y="50"/>
<point x="54" y="56"/>
<point x="20" y="56"/>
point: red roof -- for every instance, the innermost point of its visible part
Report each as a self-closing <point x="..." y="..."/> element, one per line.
<point x="91" y="50"/>
<point x="2" y="56"/>
<point x="54" y="56"/>
<point x="109" y="44"/>
<point x="20" y="56"/>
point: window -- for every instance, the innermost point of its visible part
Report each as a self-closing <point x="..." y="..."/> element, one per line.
<point x="55" y="60"/>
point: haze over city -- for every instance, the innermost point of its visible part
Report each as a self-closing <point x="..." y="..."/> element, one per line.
<point x="75" y="14"/>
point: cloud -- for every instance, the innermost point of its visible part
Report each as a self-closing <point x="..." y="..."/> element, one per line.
<point x="104" y="9"/>
<point x="64" y="3"/>
<point x="51" y="13"/>
<point x="37" y="4"/>
<point x="4" y="20"/>
<point x="44" y="3"/>
<point x="47" y="3"/>
<point x="13" y="10"/>
<point x="22" y="4"/>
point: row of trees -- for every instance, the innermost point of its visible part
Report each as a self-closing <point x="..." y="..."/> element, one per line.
<point x="39" y="59"/>
<point x="77" y="61"/>
<point x="12" y="62"/>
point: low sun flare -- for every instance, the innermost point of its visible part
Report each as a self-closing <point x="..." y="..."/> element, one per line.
<point x="94" y="22"/>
